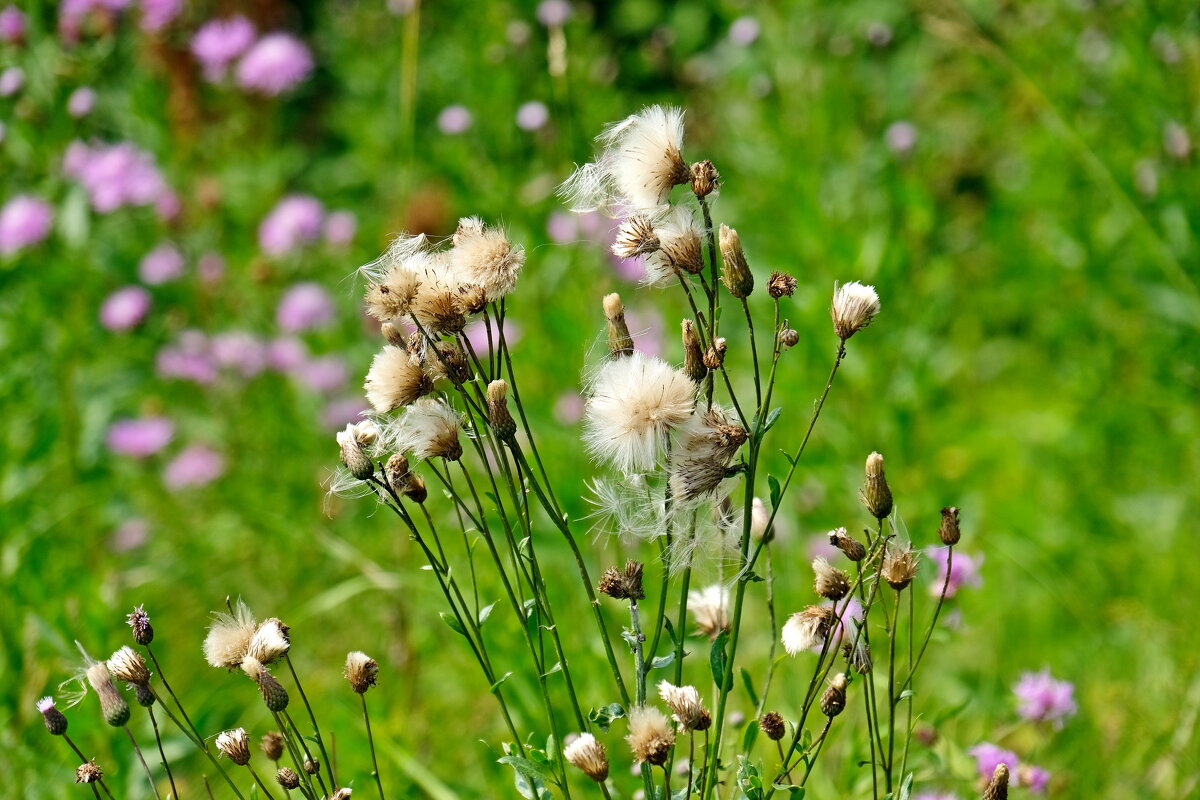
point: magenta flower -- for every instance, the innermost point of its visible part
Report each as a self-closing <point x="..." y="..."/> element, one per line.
<point x="296" y="220"/>
<point x="140" y="437"/>
<point x="277" y="62"/>
<point x="24" y="221"/>
<point x="286" y="354"/>
<point x="115" y="175"/>
<point x="964" y="571"/>
<point x="744" y="31"/>
<point x="240" y="351"/>
<point x="210" y="267"/>
<point x="195" y="466"/>
<point x="11" y="81"/>
<point x="454" y="120"/>
<point x="1035" y="779"/>
<point x="124" y="308"/>
<point x="303" y="307"/>
<point x="340" y="227"/>
<point x="1044" y="699"/>
<point x="158" y="14"/>
<point x="188" y="359"/>
<point x="130" y="534"/>
<point x="219" y="42"/>
<point x="532" y="116"/>
<point x="562" y="227"/>
<point x="162" y="264"/>
<point x="568" y="409"/>
<point x="12" y="25"/>
<point x="476" y="334"/>
<point x="81" y="102"/>
<point x="326" y="375"/>
<point x="988" y="756"/>
<point x="847" y="623"/>
<point x="553" y="13"/>
<point x="646" y="327"/>
<point x="339" y="413"/>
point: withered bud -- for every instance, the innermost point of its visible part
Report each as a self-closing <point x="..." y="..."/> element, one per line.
<point x="899" y="567"/>
<point x="112" y="704"/>
<point x="833" y="702"/>
<point x="635" y="237"/>
<point x="312" y="766"/>
<point x="625" y="584"/>
<point x="394" y="336"/>
<point x="447" y="360"/>
<point x="773" y="726"/>
<point x="715" y="357"/>
<point x="397" y="472"/>
<point x="736" y="275"/>
<point x="415" y="489"/>
<point x="829" y="582"/>
<point x="287" y="778"/>
<point x="144" y="694"/>
<point x="143" y="631"/>
<point x="234" y="745"/>
<point x="948" y="532"/>
<point x="354" y="457"/>
<point x="128" y="666"/>
<point x="997" y="788"/>
<point x="620" y="343"/>
<point x="472" y="297"/>
<point x="273" y="745"/>
<point x="789" y="337"/>
<point x="705" y="178"/>
<point x="876" y="494"/>
<point x="501" y="421"/>
<point x="88" y="772"/>
<point x="851" y="547"/>
<point x="693" y="354"/>
<point x="780" y="285"/>
<point x="361" y="671"/>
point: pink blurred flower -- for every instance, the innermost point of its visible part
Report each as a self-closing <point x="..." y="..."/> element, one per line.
<point x="240" y="351"/>
<point x="286" y="354"/>
<point x="167" y="206"/>
<point x="964" y="571"/>
<point x="744" y="31"/>
<point x="553" y="13"/>
<point x="11" y="81"/>
<point x="294" y="221"/>
<point x="477" y="334"/>
<point x="819" y="545"/>
<point x="188" y="359"/>
<point x="162" y="264"/>
<point x="71" y="14"/>
<point x="568" y="409"/>
<point x="115" y="175"/>
<point x="210" y="267"/>
<point x="988" y="756"/>
<point x="936" y="796"/>
<point x="220" y="41"/>
<point x="12" y="25"/>
<point x="848" y="619"/>
<point x="454" y="120"/>
<point x="24" y="221"/>
<point x="901" y="137"/>
<point x="140" y="437"/>
<point x="1044" y="699"/>
<point x="158" y="14"/>
<point x="339" y="413"/>
<point x="195" y="466"/>
<point x="562" y="227"/>
<point x="646" y="327"/>
<point x="340" y="227"/>
<point x="130" y="534"/>
<point x="81" y="102"/>
<point x="124" y="308"/>
<point x="326" y="374"/>
<point x="303" y="307"/>
<point x="277" y="62"/>
<point x="1035" y="779"/>
<point x="532" y="116"/>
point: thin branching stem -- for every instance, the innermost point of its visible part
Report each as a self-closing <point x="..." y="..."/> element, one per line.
<point x="162" y="676"/>
<point x="259" y="781"/>
<point x="85" y="759"/>
<point x="198" y="741"/>
<point x="161" y="753"/>
<point x="371" y="743"/>
<point x="142" y="759"/>
<point x="313" y="719"/>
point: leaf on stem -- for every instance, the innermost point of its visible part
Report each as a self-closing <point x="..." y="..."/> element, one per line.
<point x="454" y="622"/>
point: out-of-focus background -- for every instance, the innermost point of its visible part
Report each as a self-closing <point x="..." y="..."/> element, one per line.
<point x="187" y="188"/>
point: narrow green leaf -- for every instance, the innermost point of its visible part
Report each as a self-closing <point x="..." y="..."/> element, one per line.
<point x="454" y="623"/>
<point x="496" y="685"/>
<point x="776" y="492"/>
<point x="716" y="657"/>
<point x="484" y="613"/>
<point x="748" y="682"/>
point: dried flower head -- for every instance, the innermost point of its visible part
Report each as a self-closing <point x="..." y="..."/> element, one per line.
<point x="899" y="567"/>
<point x="396" y="379"/>
<point x="484" y="257"/>
<point x="234" y="745"/>
<point x="56" y="721"/>
<point x="736" y="273"/>
<point x="948" y="532"/>
<point x="589" y="755"/>
<point x="354" y="455"/>
<point x="143" y="631"/>
<point x="858" y="656"/>
<point x="312" y="766"/>
<point x="997" y="788"/>
<point x="88" y="772"/>
<point x="273" y="745"/>
<point x="807" y="629"/>
<point x="781" y="284"/>
<point x="772" y="725"/>
<point x="273" y="694"/>
<point x="498" y="415"/>
<point x="341" y="794"/>
<point x="415" y="489"/>
<point x="393" y="296"/>
<point x="714" y="357"/>
<point x="287" y="778"/>
<point x="650" y="735"/>
<point x="620" y="343"/>
<point x="850" y="547"/>
<point x="634" y="403"/>
<point x="684" y="701"/>
<point x="789" y="337"/>
<point x="112" y="704"/>
<point x="680" y="248"/>
<point x="429" y="429"/>
<point x="440" y="311"/>
<point x="229" y="637"/>
<point x="271" y="641"/>
<point x="854" y="306"/>
<point x="710" y="609"/>
<point x="705" y="178"/>
<point x="635" y="237"/>
<point x="876" y="494"/>
<point x="760" y="521"/>
<point x="361" y="671"/>
<point x="693" y="352"/>
<point x="704" y="446"/>
<point x="128" y="666"/>
<point x="625" y="584"/>
<point x="833" y="701"/>
<point x="830" y="582"/>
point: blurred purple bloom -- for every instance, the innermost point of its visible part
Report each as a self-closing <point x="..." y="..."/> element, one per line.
<point x="167" y="206"/>
<point x="847" y="622"/>
<point x="988" y="756"/>
<point x="24" y="221"/>
<point x="210" y="267"/>
<point x="744" y="31"/>
<point x="12" y="25"/>
<point x="339" y="413"/>
<point x="188" y="359"/>
<point x="277" y="62"/>
<point x="130" y="534"/>
<point x="819" y="545"/>
<point x="646" y="327"/>
<point x="964" y="571"/>
<point x="158" y="14"/>
<point x="286" y="354"/>
<point x="340" y="227"/>
<point x="901" y="137"/>
<point x="1044" y="699"/>
<point x="326" y="374"/>
<point x="220" y="41"/>
<point x="140" y="437"/>
<point x="935" y="796"/>
<point x="124" y="308"/>
<point x="239" y="351"/>
<point x="477" y="334"/>
<point x="304" y="306"/>
<point x="562" y="227"/>
<point x="115" y="175"/>
<point x="81" y="102"/>
<point x="568" y="409"/>
<point x="553" y="13"/>
<point x="532" y="116"/>
<point x="1035" y="779"/>
<point x="294" y="221"/>
<point x="195" y="466"/>
<point x="162" y="264"/>
<point x="11" y="81"/>
<point x="454" y="120"/>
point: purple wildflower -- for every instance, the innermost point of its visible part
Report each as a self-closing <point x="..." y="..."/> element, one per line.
<point x="124" y="308"/>
<point x="963" y="572"/>
<point x="286" y="354"/>
<point x="339" y="413"/>
<point x="239" y="351"/>
<point x="11" y="81"/>
<point x="935" y="796"/>
<point x="901" y="137"/>
<point x="294" y="221"/>
<point x="553" y="13"/>
<point x="24" y="221"/>
<point x="477" y="334"/>
<point x="140" y="437"/>
<point x="326" y="375"/>
<point x="1044" y="699"/>
<point x="562" y="227"/>
<point x="744" y="31"/>
<point x="340" y="227"/>
<point x="568" y="409"/>
<point x="210" y="267"/>
<point x="303" y="307"/>
<point x="188" y="359"/>
<point x="646" y="327"/>
<point x="130" y="534"/>
<point x="1035" y="779"/>
<point x="988" y="756"/>
<point x="12" y="25"/>
<point x="195" y="466"/>
<point x="158" y="14"/>
<point x="454" y="120"/>
<point x="115" y="175"/>
<point x="220" y="41"/>
<point x="81" y="102"/>
<point x="277" y="62"/>
<point x="532" y="116"/>
<point x="162" y="264"/>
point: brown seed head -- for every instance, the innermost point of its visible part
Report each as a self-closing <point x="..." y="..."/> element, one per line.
<point x="473" y="297"/>
<point x="393" y="335"/>
<point x="693" y="353"/>
<point x="807" y="629"/>
<point x="273" y="745"/>
<point x="625" y="584"/>
<point x="234" y="745"/>
<point x="287" y="778"/>
<point x="273" y="693"/>
<point x="949" y="532"/>
<point x="705" y="178"/>
<point x="447" y="360"/>
<point x="686" y="708"/>
<point x="899" y="567"/>
<point x="780" y="285"/>
<point x="772" y="725"/>
<point x="789" y="337"/>
<point x="715" y="357"/>
<point x="620" y="343"/>
<point x="397" y="472"/>
<point x="834" y="699"/>
<point x="635" y="237"/>
<point x="736" y="275"/>
<point x="88" y="772"/>
<point x="650" y="735"/>
<point x="589" y="755"/>
<point x="829" y="581"/>
<point x="997" y="788"/>
<point x="128" y="666"/>
<point x="341" y="794"/>
<point x="876" y="494"/>
<point x="361" y="671"/>
<point x="501" y="421"/>
<point x="854" y="306"/>
<point x="312" y="766"/>
<point x="851" y="547"/>
<point x="143" y="631"/>
<point x="440" y="312"/>
<point x="415" y="489"/>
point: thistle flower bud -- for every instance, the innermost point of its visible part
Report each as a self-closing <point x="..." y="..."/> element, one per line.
<point x="361" y="671"/>
<point x="876" y="495"/>
<point x="144" y="695"/>
<point x="589" y="755"/>
<point x="772" y="725"/>
<point x="273" y="745"/>
<point x="287" y="778"/>
<point x="273" y="693"/>
<point x="415" y="490"/>
<point x="139" y="621"/>
<point x="736" y="275"/>
<point x="234" y="745"/>
<point x="312" y="766"/>
<point x="501" y="421"/>
<point x="693" y="354"/>
<point x="715" y="357"/>
<point x="620" y="343"/>
<point x="635" y="237"/>
<point x="854" y="306"/>
<point x="833" y="702"/>
<point x="56" y="721"/>
<point x="353" y="456"/>
<point x="830" y="582"/>
<point x="393" y="335"/>
<point x="624" y="585"/>
<point x="342" y="794"/>
<point x="851" y="547"/>
<point x="650" y="735"/>
<point x="997" y="788"/>
<point x="127" y="665"/>
<point x="705" y="178"/>
<point x="397" y="472"/>
<point x="88" y="772"/>
<point x="447" y="360"/>
<point x="948" y="532"/>
<point x="780" y="285"/>
<point x="112" y="704"/>
<point x="760" y="518"/>
<point x="684" y="701"/>
<point x="789" y="337"/>
<point x="899" y="567"/>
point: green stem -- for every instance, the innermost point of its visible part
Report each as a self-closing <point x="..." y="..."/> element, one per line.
<point x="639" y="671"/>
<point x="162" y="755"/>
<point x="371" y="742"/>
<point x="141" y="758"/>
<point x="937" y="609"/>
<point x="85" y="759"/>
<point x="258" y="780"/>
<point x="162" y="676"/>
<point x="313" y="719"/>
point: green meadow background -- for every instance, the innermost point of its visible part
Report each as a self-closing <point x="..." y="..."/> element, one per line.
<point x="1034" y="243"/>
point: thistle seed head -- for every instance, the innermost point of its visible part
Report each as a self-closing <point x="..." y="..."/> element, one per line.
<point x="850" y="547"/>
<point x="234" y="745"/>
<point x="949" y="532"/>
<point x="273" y="745"/>
<point x="143" y="631"/>
<point x="781" y="284"/>
<point x="899" y="567"/>
<point x="705" y="178"/>
<point x="772" y="725"/>
<point x="833" y="702"/>
<point x="876" y="494"/>
<point x="88" y="772"/>
<point x="589" y="755"/>
<point x="830" y="582"/>
<point x="361" y="671"/>
<point x="287" y="778"/>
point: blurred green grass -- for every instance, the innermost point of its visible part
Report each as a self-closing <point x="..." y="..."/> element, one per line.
<point x="1035" y="362"/>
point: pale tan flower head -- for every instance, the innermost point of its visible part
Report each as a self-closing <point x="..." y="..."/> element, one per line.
<point x="704" y="446"/>
<point x="234" y="745"/>
<point x="112" y="704"/>
<point x="589" y="755"/>
<point x="484" y="257"/>
<point x="684" y="701"/>
<point x="229" y="637"/>
<point x="650" y="735"/>
<point x="429" y="428"/>
<point x="710" y="609"/>
<point x="635" y="237"/>
<point x="807" y="629"/>
<point x="899" y="566"/>
<point x="396" y="379"/>
<point x="854" y="306"/>
<point x="361" y="671"/>
<point x="270" y="642"/>
<point x="679" y="248"/>
<point x="128" y="666"/>
<point x="829" y="581"/>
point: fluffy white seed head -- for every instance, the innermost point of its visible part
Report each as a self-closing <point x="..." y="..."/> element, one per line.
<point x="484" y="257"/>
<point x="650" y="735"/>
<point x="679" y="247"/>
<point x="229" y="637"/>
<point x="428" y="429"/>
<point x="710" y="609"/>
<point x="589" y="755"/>
<point x="395" y="379"/>
<point x="128" y="666"/>
<point x="361" y="671"/>
<point x="704" y="445"/>
<point x="234" y="745"/>
<point x="686" y="708"/>
<point x="806" y="629"/>
<point x="854" y="306"/>
<point x="270" y="642"/>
